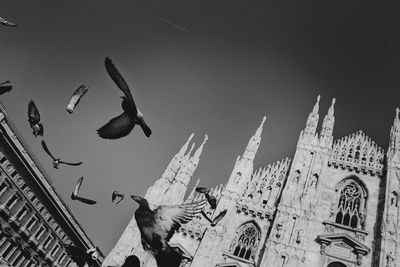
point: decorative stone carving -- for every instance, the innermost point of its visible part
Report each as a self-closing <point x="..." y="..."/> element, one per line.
<point x="279" y="229"/>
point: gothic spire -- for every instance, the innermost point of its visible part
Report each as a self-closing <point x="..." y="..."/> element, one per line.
<point x="191" y="195"/>
<point x="312" y="120"/>
<point x="176" y="161"/>
<point x="394" y="144"/>
<point x="254" y="143"/>
<point x="329" y="121"/>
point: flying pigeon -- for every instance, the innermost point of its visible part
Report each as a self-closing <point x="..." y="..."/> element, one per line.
<point x="76" y="97"/>
<point x="123" y="124"/>
<point x="57" y="161"/>
<point x="116" y="194"/>
<point x="131" y="261"/>
<point x="5" y="87"/>
<point x="81" y="257"/>
<point x="157" y="227"/>
<point x="75" y="196"/>
<point x="34" y="119"/>
<point x="219" y="217"/>
<point x="212" y="200"/>
<point x="7" y="23"/>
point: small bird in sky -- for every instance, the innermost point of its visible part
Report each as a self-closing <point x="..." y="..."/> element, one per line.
<point x="116" y="195"/>
<point x="219" y="217"/>
<point x="75" y="193"/>
<point x="57" y="161"/>
<point x="212" y="200"/>
<point x="5" y="87"/>
<point x="7" y="23"/>
<point x="76" y="97"/>
<point x="123" y="124"/>
<point x="81" y="257"/>
<point x="34" y="119"/>
<point x="157" y="227"/>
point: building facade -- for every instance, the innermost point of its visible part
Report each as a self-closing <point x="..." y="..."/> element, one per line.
<point x="36" y="225"/>
<point x="333" y="204"/>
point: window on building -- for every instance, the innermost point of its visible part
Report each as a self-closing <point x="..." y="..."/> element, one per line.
<point x="31" y="223"/>
<point x="55" y="250"/>
<point x="12" y="202"/>
<point x="21" y="213"/>
<point x="47" y="242"/>
<point x="350" y="209"/>
<point x="39" y="233"/>
<point x="3" y="188"/>
<point x="62" y="257"/>
<point x="18" y="259"/>
<point x="246" y="241"/>
<point x="8" y="251"/>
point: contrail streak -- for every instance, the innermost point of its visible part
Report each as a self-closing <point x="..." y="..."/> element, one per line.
<point x="164" y="20"/>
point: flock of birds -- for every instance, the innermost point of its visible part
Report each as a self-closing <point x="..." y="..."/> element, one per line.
<point x="156" y="226"/>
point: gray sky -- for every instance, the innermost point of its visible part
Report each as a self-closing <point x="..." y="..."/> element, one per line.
<point x="239" y="61"/>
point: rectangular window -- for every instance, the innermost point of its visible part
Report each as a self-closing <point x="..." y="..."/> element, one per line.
<point x="31" y="223"/>
<point x="2" y="160"/>
<point x="3" y="188"/>
<point x="62" y="257"/>
<point x="8" y="251"/>
<point x="11" y="202"/>
<point x="13" y="174"/>
<point x="22" y="212"/>
<point x="39" y="233"/>
<point x="47" y="242"/>
<point x="41" y="209"/>
<point x="23" y="187"/>
<point x="55" y="250"/>
<point x="33" y="198"/>
<point x="18" y="259"/>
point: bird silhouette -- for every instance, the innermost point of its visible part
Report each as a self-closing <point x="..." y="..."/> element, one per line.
<point x="131" y="261"/>
<point x="57" y="161"/>
<point x="157" y="227"/>
<point x="5" y="87"/>
<point x="82" y="258"/>
<point x="76" y="97"/>
<point x="116" y="195"/>
<point x="219" y="217"/>
<point x="212" y="200"/>
<point x="34" y="119"/>
<point x="75" y="193"/>
<point x="123" y="124"/>
<point x="7" y="23"/>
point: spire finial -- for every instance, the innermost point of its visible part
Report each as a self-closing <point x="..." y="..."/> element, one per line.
<point x="316" y="106"/>
<point x="331" y="108"/>
<point x="397" y="113"/>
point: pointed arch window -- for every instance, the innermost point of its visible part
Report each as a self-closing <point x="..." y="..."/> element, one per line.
<point x="246" y="241"/>
<point x="350" y="209"/>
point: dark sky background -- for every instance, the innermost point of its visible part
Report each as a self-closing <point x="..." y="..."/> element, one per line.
<point x="239" y="61"/>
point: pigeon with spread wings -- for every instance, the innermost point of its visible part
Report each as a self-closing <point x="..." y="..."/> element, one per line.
<point x="7" y="23"/>
<point x="123" y="124"/>
<point x="76" y="97"/>
<point x="34" y="119"/>
<point x="212" y="200"/>
<point x="5" y="87"/>
<point x="75" y="196"/>
<point x="157" y="227"/>
<point x="116" y="195"/>
<point x="57" y="161"/>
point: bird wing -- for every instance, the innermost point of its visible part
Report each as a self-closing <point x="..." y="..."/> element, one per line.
<point x="202" y="190"/>
<point x="146" y="129"/>
<point x="119" y="80"/>
<point x="77" y="255"/>
<point x="114" y="195"/>
<point x="5" y="87"/>
<point x="71" y="163"/>
<point x="77" y="187"/>
<point x="33" y="114"/>
<point x="117" y="127"/>
<point x="76" y="97"/>
<point x="170" y="217"/>
<point x="47" y="150"/>
<point x="219" y="217"/>
<point x="7" y="23"/>
<point x="86" y="200"/>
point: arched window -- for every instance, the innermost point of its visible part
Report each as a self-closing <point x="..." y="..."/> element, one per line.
<point x="336" y="264"/>
<point x="351" y="205"/>
<point x="246" y="241"/>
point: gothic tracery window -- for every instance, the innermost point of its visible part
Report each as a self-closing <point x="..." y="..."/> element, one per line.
<point x="246" y="242"/>
<point x="350" y="207"/>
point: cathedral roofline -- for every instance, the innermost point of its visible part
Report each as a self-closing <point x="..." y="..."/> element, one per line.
<point x="28" y="161"/>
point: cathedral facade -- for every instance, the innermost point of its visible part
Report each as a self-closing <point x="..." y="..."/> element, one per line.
<point x="36" y="225"/>
<point x="333" y="204"/>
